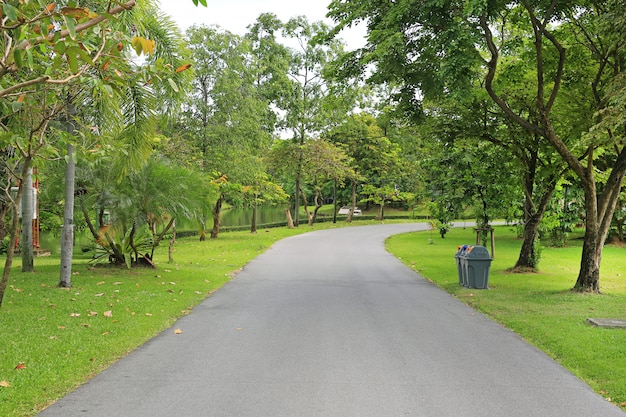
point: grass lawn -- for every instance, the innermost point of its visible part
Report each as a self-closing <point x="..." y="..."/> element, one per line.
<point x="539" y="306"/>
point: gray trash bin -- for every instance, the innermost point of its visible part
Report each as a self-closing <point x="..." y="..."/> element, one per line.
<point x="461" y="264"/>
<point x="478" y="263"/>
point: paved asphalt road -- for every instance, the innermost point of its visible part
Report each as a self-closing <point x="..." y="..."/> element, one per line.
<point x="329" y="324"/>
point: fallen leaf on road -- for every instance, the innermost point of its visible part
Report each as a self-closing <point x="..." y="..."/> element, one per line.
<point x="178" y="331"/>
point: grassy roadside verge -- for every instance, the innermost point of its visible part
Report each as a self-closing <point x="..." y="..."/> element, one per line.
<point x="539" y="306"/>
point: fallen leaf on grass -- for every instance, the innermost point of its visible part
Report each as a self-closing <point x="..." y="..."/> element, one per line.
<point x="149" y="314"/>
<point x="101" y="283"/>
<point x="93" y="313"/>
<point x="178" y="331"/>
<point x="75" y="315"/>
<point x="99" y="295"/>
<point x="4" y="384"/>
<point x="108" y="313"/>
<point x="20" y="366"/>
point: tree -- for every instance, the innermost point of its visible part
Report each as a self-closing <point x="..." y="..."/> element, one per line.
<point x="306" y="111"/>
<point x="438" y="48"/>
<point x="228" y="113"/>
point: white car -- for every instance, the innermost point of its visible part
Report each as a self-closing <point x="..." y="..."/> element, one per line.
<point x="346" y="210"/>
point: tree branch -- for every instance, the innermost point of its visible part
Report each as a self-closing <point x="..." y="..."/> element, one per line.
<point x="492" y="66"/>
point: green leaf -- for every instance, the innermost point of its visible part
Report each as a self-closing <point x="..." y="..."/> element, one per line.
<point x="84" y="55"/>
<point x="60" y="48"/>
<point x="31" y="61"/>
<point x="72" y="61"/>
<point x="173" y="84"/>
<point x="10" y="11"/>
<point x="71" y="26"/>
<point x="17" y="55"/>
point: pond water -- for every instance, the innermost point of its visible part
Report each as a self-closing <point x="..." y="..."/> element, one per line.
<point x="243" y="216"/>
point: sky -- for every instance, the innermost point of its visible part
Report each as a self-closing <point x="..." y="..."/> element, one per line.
<point x="237" y="15"/>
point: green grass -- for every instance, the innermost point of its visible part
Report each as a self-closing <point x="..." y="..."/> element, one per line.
<point x="539" y="306"/>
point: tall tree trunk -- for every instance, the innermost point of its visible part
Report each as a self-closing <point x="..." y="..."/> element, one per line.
<point x="170" y="252"/>
<point x="381" y="211"/>
<point x="131" y="242"/>
<point x="217" y="213"/>
<point x="599" y="214"/>
<point x="528" y="257"/>
<point x="318" y="205"/>
<point x="156" y="239"/>
<point x="15" y="223"/>
<point x="67" y="230"/>
<point x="10" y="253"/>
<point x="27" y="223"/>
<point x="351" y="213"/>
<point x="296" y="203"/>
<point x="306" y="207"/>
<point x="254" y="214"/>
<point x="94" y="233"/>
<point x="335" y="202"/>
<point x="289" y="219"/>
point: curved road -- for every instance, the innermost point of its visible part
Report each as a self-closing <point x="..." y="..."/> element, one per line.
<point x="330" y="324"/>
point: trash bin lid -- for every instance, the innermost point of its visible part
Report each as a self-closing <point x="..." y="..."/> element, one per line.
<point x="477" y="252"/>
